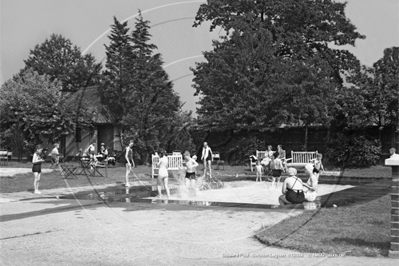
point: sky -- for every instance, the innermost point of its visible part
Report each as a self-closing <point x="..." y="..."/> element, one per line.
<point x="25" y="23"/>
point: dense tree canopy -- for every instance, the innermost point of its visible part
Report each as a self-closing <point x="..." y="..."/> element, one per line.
<point x="32" y="109"/>
<point x="372" y="98"/>
<point x="275" y="65"/>
<point x="58" y="58"/>
<point x="383" y="92"/>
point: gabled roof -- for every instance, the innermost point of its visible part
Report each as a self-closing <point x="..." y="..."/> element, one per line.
<point x="91" y="99"/>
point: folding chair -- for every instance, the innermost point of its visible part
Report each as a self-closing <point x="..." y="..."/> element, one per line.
<point x="68" y="170"/>
<point x="87" y="166"/>
<point x="4" y="156"/>
<point x="216" y="156"/>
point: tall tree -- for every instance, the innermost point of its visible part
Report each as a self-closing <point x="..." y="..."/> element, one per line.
<point x="275" y="65"/>
<point x="58" y="58"/>
<point x="376" y="91"/>
<point x="138" y="89"/>
<point x="383" y="93"/>
<point x="155" y="103"/>
<point x="117" y="73"/>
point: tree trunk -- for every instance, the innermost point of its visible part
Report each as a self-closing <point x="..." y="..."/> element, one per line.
<point x="305" y="146"/>
<point x="395" y="137"/>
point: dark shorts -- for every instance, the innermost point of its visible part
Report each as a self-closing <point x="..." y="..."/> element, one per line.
<point x="276" y="172"/>
<point x="37" y="168"/>
<point x="295" y="197"/>
<point x="190" y="175"/>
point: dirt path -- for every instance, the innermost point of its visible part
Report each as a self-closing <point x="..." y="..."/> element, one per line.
<point x="70" y="232"/>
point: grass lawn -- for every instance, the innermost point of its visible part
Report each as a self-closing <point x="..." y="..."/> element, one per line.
<point x="361" y="230"/>
<point x="24" y="182"/>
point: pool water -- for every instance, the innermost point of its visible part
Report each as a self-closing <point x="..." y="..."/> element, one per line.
<point x="248" y="192"/>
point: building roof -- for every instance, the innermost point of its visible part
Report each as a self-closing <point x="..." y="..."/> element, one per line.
<point x="91" y="99"/>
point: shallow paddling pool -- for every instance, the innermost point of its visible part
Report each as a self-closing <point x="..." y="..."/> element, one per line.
<point x="249" y="192"/>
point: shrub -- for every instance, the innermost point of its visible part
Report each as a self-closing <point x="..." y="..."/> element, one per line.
<point x="353" y="150"/>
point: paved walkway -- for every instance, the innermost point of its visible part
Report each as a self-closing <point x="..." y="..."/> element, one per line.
<point x="44" y="230"/>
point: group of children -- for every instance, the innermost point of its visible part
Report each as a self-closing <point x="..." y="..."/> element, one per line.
<point x="190" y="172"/>
<point x="274" y="164"/>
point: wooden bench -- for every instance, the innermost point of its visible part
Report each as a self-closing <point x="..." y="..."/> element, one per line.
<point x="175" y="162"/>
<point x="300" y="158"/>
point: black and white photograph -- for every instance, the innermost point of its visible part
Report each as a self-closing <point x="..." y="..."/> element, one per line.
<point x="199" y="132"/>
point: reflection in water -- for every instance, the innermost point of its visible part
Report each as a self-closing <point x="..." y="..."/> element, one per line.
<point x="234" y="194"/>
<point x="248" y="192"/>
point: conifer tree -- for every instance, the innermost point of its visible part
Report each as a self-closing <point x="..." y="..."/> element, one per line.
<point x="138" y="89"/>
<point x="155" y="103"/>
<point x="117" y="75"/>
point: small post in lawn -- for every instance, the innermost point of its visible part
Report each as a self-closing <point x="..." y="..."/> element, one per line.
<point x="393" y="161"/>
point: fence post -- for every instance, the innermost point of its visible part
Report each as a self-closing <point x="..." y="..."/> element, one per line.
<point x="393" y="161"/>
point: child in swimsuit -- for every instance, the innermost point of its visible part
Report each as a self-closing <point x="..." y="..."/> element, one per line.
<point x="163" y="174"/>
<point x="277" y="167"/>
<point x="191" y="164"/>
<point x="37" y="161"/>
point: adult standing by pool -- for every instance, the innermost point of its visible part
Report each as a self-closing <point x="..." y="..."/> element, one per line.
<point x="129" y="162"/>
<point x="281" y="155"/>
<point x="207" y="159"/>
<point x="37" y="161"/>
<point x="163" y="174"/>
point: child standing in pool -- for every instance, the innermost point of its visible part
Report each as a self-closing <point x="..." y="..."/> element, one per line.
<point x="190" y="177"/>
<point x="276" y="165"/>
<point x="37" y="161"/>
<point x="163" y="175"/>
